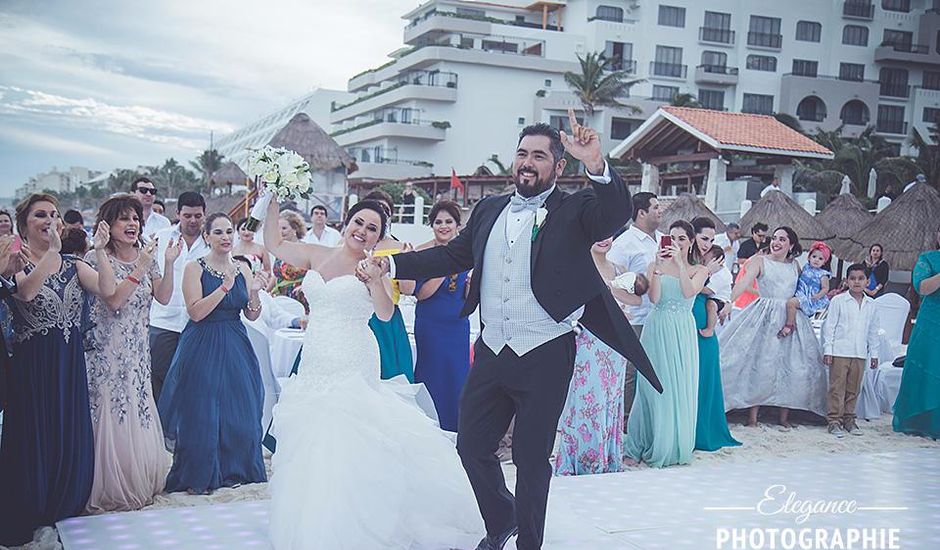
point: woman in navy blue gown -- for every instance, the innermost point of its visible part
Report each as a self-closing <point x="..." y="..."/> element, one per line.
<point x="47" y="451"/>
<point x="212" y="398"/>
<point x="442" y="336"/>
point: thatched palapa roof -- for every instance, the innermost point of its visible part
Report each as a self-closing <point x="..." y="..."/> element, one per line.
<point x="906" y="228"/>
<point x="688" y="207"/>
<point x="777" y="209"/>
<point x="229" y="173"/>
<point x="844" y="216"/>
<point x="305" y="137"/>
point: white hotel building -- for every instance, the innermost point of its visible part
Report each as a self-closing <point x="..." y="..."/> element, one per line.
<point x="471" y="74"/>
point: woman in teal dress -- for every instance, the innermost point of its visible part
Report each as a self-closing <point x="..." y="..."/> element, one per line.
<point x="917" y="408"/>
<point x="392" y="336"/>
<point x="661" y="427"/>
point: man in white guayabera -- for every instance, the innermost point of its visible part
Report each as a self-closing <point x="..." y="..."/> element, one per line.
<point x="532" y="251"/>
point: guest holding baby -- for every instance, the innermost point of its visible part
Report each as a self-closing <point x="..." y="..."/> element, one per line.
<point x="591" y="424"/>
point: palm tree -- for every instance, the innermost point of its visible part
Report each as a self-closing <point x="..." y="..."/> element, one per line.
<point x="206" y="164"/>
<point x="174" y="178"/>
<point x="685" y="100"/>
<point x="928" y="153"/>
<point x="599" y="85"/>
<point x="789" y="120"/>
<point x="502" y="170"/>
<point x="121" y="179"/>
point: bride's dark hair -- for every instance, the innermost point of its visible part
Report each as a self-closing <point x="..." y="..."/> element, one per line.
<point x="372" y="205"/>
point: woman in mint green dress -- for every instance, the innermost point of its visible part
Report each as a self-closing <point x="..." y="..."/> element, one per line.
<point x="917" y="408"/>
<point x="661" y="428"/>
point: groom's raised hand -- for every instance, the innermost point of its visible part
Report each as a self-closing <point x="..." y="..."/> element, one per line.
<point x="584" y="144"/>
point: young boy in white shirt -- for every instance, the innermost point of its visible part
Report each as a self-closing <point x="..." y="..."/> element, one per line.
<point x="850" y="335"/>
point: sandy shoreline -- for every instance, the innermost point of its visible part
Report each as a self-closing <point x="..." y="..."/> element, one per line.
<point x="766" y="442"/>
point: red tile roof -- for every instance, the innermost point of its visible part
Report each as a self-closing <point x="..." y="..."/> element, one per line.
<point x="747" y="130"/>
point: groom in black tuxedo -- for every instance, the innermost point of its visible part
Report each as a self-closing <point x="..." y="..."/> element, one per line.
<point x="534" y="280"/>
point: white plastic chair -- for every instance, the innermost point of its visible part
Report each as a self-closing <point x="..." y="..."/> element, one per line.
<point x="892" y="310"/>
<point x="261" y="347"/>
<point x="290" y="305"/>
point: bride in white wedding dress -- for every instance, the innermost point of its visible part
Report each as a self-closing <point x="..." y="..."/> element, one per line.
<point x="358" y="464"/>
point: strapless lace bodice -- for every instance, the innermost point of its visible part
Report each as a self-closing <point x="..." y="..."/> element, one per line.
<point x="338" y="342"/>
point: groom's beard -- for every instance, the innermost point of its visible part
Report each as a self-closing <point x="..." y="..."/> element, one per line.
<point x="536" y="186"/>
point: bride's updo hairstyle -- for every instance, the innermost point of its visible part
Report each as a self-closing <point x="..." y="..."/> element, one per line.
<point x="372" y="205"/>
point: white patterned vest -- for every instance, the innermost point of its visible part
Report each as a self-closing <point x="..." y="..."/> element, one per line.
<point x="511" y="315"/>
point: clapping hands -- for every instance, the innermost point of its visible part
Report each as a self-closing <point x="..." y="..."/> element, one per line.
<point x="102" y="235"/>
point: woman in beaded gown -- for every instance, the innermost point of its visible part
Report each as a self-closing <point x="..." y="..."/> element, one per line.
<point x="359" y="466"/>
<point x="212" y="399"/>
<point x="47" y="449"/>
<point x="661" y="427"/>
<point x="757" y="368"/>
<point x="131" y="462"/>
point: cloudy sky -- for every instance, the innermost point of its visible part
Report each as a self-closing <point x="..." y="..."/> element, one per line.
<point x="112" y="83"/>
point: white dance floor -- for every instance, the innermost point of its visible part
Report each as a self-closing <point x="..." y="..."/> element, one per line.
<point x="676" y="508"/>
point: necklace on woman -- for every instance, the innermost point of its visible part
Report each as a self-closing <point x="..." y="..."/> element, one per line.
<point x="213" y="271"/>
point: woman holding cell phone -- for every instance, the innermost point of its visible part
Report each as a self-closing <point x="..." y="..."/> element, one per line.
<point x="661" y="427"/>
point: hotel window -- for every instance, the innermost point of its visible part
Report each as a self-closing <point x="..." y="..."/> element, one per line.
<point x="891" y="119"/>
<point x="804" y="67"/>
<point x="561" y="122"/>
<point x="714" y="62"/>
<point x="761" y="63"/>
<point x="717" y="20"/>
<point x="520" y="121"/>
<point x="671" y="16"/>
<point x="668" y="62"/>
<point x="620" y="128"/>
<point x="852" y="71"/>
<point x="896" y="5"/>
<point x="931" y="114"/>
<point x="712" y="99"/>
<point x="931" y="80"/>
<point x="758" y="104"/>
<point x="472" y="12"/>
<point x="808" y="31"/>
<point x="894" y="82"/>
<point x="548" y="82"/>
<point x="609" y="13"/>
<point x="665" y="93"/>
<point x="620" y="55"/>
<point x="901" y="39"/>
<point x="764" y="31"/>
<point x="853" y="35"/>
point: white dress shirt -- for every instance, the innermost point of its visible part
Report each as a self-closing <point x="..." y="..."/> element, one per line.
<point x="635" y="250"/>
<point x="330" y="237"/>
<point x="731" y="257"/>
<point x="850" y="329"/>
<point x="173" y="316"/>
<point x="156" y="222"/>
<point x="517" y="222"/>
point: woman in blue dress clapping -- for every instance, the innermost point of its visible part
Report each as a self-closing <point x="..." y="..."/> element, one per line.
<point x="212" y="398"/>
<point x="47" y="452"/>
<point x="442" y="335"/>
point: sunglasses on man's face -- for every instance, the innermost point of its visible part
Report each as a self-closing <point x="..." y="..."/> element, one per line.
<point x="145" y="190"/>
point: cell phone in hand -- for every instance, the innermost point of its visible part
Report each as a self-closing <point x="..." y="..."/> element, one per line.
<point x="17" y="245"/>
<point x="665" y="241"/>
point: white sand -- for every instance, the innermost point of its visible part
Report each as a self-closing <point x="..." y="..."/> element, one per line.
<point x="766" y="442"/>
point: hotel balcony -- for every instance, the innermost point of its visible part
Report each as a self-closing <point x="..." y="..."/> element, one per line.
<point x="668" y="70"/>
<point x="827" y="102"/>
<point x="765" y="40"/>
<point x="716" y="74"/>
<point x="382" y="128"/>
<point x="712" y="35"/>
<point x="392" y="169"/>
<point x="420" y="85"/>
<point x="906" y="53"/>
<point x="854" y="9"/>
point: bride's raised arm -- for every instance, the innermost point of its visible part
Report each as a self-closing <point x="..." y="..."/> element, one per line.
<point x="301" y="255"/>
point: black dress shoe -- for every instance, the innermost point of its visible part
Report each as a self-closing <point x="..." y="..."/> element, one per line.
<point x="499" y="541"/>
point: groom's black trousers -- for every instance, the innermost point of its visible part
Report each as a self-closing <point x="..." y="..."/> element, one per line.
<point x="533" y="388"/>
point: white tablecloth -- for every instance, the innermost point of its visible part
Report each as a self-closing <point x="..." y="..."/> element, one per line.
<point x="285" y="343"/>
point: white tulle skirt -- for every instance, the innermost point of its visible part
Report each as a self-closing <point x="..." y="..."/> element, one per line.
<point x="360" y="465"/>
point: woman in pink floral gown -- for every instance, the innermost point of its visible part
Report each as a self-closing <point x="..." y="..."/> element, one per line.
<point x="591" y="424"/>
<point x="131" y="462"/>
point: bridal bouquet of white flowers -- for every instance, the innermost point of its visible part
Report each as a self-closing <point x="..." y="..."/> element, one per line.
<point x="279" y="173"/>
